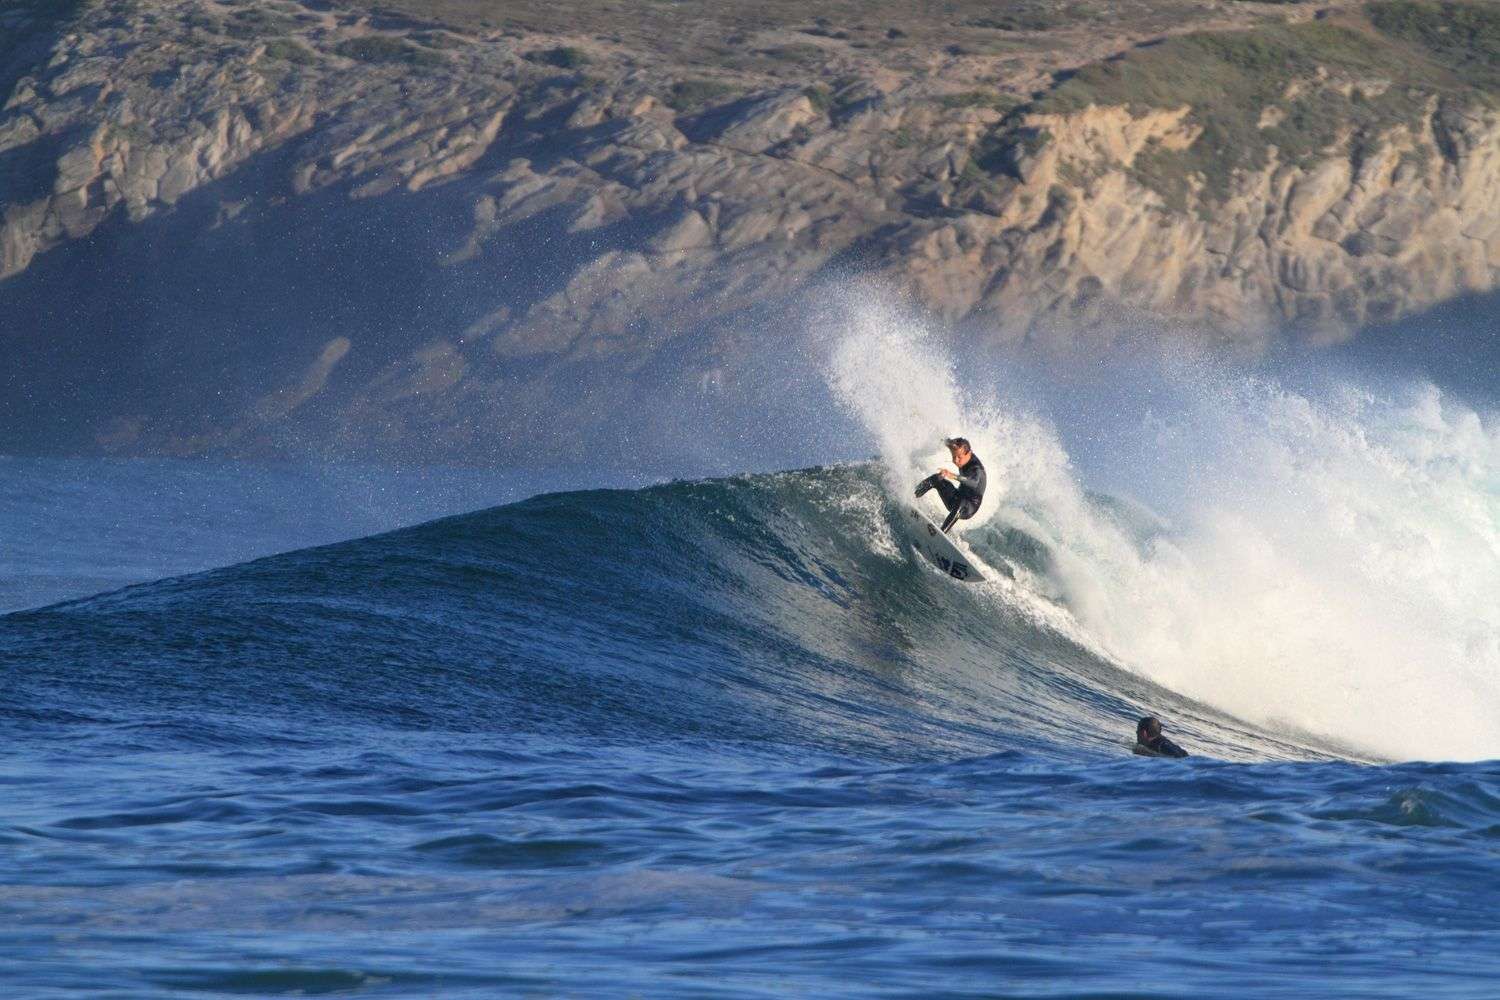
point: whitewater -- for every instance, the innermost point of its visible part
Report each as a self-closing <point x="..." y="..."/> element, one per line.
<point x="730" y="737"/>
<point x="1326" y="565"/>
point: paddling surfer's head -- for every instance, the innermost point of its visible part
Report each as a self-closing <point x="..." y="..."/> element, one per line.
<point x="959" y="449"/>
<point x="1149" y="742"/>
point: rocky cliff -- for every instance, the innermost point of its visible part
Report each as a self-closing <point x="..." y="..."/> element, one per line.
<point x="264" y="227"/>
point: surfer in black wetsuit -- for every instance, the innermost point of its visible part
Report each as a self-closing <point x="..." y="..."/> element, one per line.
<point x="1149" y="742"/>
<point x="963" y="496"/>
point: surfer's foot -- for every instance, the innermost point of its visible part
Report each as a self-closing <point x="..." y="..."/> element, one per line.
<point x="924" y="486"/>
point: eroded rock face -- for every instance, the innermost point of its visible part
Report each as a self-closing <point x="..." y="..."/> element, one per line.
<point x="563" y="217"/>
<point x="1353" y="238"/>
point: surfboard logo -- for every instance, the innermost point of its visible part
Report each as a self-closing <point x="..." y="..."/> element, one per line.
<point x="954" y="568"/>
<point x="939" y="550"/>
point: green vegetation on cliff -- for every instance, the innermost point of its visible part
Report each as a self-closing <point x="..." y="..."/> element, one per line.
<point x="689" y="95"/>
<point x="384" y="49"/>
<point x="1462" y="38"/>
<point x="290" y="51"/>
<point x="257" y="23"/>
<point x="1298" y="88"/>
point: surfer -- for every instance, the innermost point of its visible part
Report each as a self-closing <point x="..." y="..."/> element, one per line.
<point x="1149" y="741"/>
<point x="963" y="499"/>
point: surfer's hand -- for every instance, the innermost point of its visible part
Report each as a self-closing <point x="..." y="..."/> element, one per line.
<point x="947" y="474"/>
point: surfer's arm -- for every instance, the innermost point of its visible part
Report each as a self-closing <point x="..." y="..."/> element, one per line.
<point x="1169" y="749"/>
<point x="974" y="482"/>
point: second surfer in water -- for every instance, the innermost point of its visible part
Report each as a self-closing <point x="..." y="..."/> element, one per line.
<point x="1149" y="741"/>
<point x="963" y="495"/>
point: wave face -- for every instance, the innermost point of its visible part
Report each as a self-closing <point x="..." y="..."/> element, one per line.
<point x="778" y="608"/>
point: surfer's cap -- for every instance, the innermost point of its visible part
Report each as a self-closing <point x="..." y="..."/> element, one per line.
<point x="958" y="443"/>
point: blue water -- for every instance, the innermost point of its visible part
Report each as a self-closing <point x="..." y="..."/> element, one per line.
<point x="73" y="527"/>
<point x="698" y="739"/>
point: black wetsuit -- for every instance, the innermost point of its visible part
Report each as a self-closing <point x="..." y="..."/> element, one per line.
<point x="1159" y="746"/>
<point x="964" y="497"/>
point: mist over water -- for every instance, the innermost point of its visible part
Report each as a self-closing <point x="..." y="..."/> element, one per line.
<point x="1322" y="559"/>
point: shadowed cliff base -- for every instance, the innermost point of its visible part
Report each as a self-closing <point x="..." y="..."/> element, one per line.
<point x="198" y="332"/>
<point x="1455" y="345"/>
<point x="28" y="31"/>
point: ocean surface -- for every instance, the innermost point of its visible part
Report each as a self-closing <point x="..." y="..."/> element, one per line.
<point x="732" y="737"/>
<point x="722" y="738"/>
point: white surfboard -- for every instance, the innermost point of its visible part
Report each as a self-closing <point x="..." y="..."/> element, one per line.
<point x="939" y="549"/>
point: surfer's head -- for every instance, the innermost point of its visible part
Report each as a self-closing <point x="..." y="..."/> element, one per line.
<point x="1147" y="729"/>
<point x="959" y="449"/>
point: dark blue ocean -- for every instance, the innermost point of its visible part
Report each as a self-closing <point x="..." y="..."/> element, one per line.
<point x="720" y="738"/>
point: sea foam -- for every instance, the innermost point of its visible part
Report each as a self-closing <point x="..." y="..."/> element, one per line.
<point x="1324" y="559"/>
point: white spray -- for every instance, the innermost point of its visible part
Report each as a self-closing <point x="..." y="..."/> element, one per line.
<point x="1333" y="565"/>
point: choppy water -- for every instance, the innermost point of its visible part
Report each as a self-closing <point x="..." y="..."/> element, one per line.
<point x="723" y="738"/>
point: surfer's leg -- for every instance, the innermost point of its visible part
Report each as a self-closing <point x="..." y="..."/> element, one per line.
<point x="947" y="491"/>
<point x="960" y="511"/>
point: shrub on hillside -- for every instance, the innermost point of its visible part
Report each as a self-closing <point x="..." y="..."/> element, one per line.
<point x="563" y="57"/>
<point x="687" y="95"/>
<point x="385" y="49"/>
